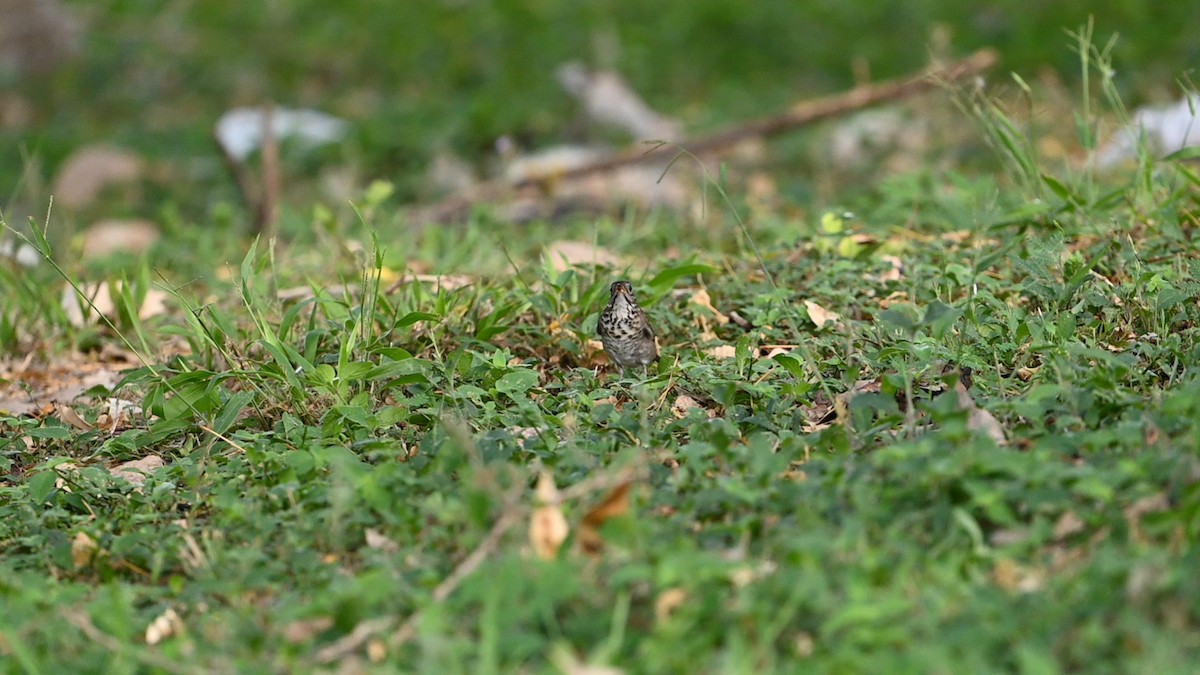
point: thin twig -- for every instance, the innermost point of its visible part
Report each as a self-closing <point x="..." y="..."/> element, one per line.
<point x="243" y="177"/>
<point x="272" y="175"/>
<point x="513" y="514"/>
<point x="223" y="438"/>
<point x="83" y="622"/>
<point x="351" y="641"/>
<point x="469" y="564"/>
<point x="800" y="114"/>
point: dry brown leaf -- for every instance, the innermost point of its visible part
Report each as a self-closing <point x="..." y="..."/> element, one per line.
<point x="167" y="624"/>
<point x="841" y="402"/>
<point x="1068" y="524"/>
<point x="85" y="173"/>
<point x="80" y="312"/>
<point x="795" y="473"/>
<point x="701" y="297"/>
<point x="1012" y="576"/>
<point x="667" y="602"/>
<point x="804" y="645"/>
<point x="83" y="550"/>
<point x="744" y="575"/>
<point x="118" y="414"/>
<point x="64" y="470"/>
<point x="109" y="236"/>
<point x="154" y="304"/>
<point x="771" y="351"/>
<point x="1137" y="510"/>
<point x="1008" y="537"/>
<point x="305" y="630"/>
<point x="594" y="354"/>
<point x="761" y="190"/>
<point x="958" y="236"/>
<point x="376" y="650"/>
<point x="566" y="254"/>
<point x="683" y="403"/>
<point x="569" y="664"/>
<point x="135" y="471"/>
<point x="896" y="297"/>
<point x="68" y="415"/>
<point x="741" y="576"/>
<point x="895" y="272"/>
<point x="819" y="315"/>
<point x="614" y="505"/>
<point x="979" y="419"/>
<point x="548" y="527"/>
<point x="722" y="351"/>
<point x="820" y="414"/>
<point x="379" y="541"/>
<point x="740" y="320"/>
<point x="77" y="307"/>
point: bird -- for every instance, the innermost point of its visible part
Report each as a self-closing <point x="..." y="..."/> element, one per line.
<point x="625" y="331"/>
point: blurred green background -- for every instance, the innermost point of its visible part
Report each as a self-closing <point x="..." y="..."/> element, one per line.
<point x="418" y="77"/>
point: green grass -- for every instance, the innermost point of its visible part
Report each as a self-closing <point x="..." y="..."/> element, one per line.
<point x="362" y="463"/>
<point x="892" y="541"/>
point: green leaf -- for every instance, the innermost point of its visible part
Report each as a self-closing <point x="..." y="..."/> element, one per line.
<point x="192" y="394"/>
<point x="792" y="365"/>
<point x="41" y="485"/>
<point x="1190" y="152"/>
<point x="832" y="223"/>
<point x="517" y="381"/>
<point x="665" y="280"/>
<point x="378" y="192"/>
<point x="939" y="317"/>
<point x="287" y="370"/>
<point x="55" y="433"/>
<point x="394" y="353"/>
<point x="413" y="317"/>
<point x="247" y="266"/>
<point x="898" y="319"/>
<point x="1060" y="190"/>
<point x="356" y="414"/>
<point x="393" y="369"/>
<point x="356" y="371"/>
<point x="231" y="409"/>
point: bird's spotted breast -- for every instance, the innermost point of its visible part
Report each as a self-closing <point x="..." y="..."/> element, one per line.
<point x="625" y="330"/>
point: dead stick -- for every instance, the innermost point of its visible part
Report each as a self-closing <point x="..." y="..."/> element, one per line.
<point x="513" y="514"/>
<point x="243" y="177"/>
<point x="81" y="620"/>
<point x="805" y="112"/>
<point x="272" y="175"/>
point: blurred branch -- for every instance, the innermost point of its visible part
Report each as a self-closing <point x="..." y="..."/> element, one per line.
<point x="272" y="176"/>
<point x="800" y="114"/>
<point x="514" y="513"/>
<point x="260" y="195"/>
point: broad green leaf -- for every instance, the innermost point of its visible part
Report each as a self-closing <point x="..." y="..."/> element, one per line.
<point x="517" y="381"/>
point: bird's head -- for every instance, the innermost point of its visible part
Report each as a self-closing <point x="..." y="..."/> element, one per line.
<point x="621" y="288"/>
